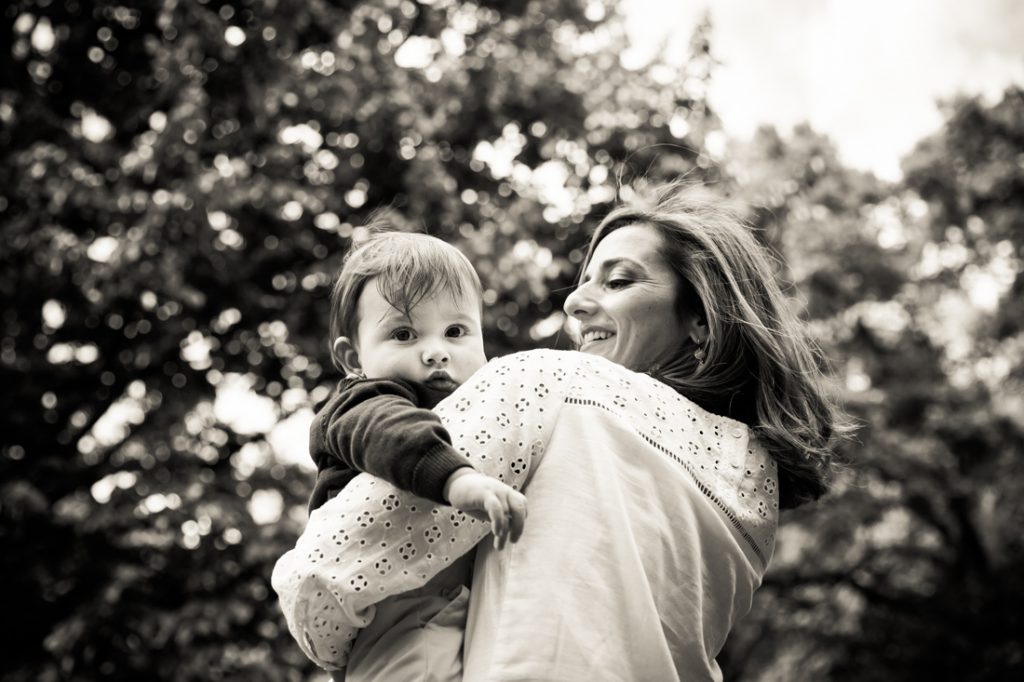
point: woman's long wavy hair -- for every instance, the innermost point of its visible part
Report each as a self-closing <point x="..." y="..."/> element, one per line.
<point x="760" y="367"/>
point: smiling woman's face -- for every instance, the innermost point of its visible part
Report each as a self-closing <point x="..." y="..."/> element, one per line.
<point x="625" y="306"/>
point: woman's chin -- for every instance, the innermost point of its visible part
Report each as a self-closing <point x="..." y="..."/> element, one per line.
<point x="599" y="348"/>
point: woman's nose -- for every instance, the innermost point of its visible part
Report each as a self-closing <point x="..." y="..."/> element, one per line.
<point x="578" y="304"/>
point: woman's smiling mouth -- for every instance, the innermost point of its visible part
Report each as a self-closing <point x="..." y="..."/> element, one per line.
<point x="596" y="335"/>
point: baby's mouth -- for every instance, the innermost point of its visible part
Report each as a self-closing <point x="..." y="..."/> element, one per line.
<point x="440" y="380"/>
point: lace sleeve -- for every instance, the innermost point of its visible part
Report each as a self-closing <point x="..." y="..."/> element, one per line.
<point x="373" y="540"/>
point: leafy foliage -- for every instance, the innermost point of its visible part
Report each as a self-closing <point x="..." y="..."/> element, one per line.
<point x="178" y="184"/>
<point x="912" y="569"/>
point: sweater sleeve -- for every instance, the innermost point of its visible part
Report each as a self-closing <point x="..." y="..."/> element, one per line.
<point x="373" y="540"/>
<point x="377" y="427"/>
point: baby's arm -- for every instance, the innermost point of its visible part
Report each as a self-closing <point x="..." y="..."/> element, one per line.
<point x="376" y="427"/>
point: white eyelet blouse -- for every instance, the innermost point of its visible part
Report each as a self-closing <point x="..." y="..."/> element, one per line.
<point x="650" y="524"/>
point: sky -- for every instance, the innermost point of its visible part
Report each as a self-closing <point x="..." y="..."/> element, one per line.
<point x="869" y="73"/>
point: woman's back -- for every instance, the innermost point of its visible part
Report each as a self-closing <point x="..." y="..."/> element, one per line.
<point x="653" y="521"/>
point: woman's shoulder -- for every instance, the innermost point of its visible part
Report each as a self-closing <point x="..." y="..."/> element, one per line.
<point x="599" y="378"/>
<point x="536" y="364"/>
<point x="544" y="358"/>
<point x="722" y="456"/>
<point x="536" y="357"/>
<point x="565" y="368"/>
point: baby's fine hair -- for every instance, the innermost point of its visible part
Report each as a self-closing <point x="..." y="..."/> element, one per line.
<point x="408" y="267"/>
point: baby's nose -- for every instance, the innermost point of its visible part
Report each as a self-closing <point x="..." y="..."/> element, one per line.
<point x="435" y="356"/>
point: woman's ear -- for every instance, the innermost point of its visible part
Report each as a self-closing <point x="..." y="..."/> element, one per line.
<point x="698" y="330"/>
<point x="345" y="352"/>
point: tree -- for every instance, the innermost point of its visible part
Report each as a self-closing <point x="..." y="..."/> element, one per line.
<point x="912" y="568"/>
<point x="179" y="183"/>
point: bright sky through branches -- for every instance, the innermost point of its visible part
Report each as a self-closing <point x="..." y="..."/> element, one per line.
<point x="866" y="72"/>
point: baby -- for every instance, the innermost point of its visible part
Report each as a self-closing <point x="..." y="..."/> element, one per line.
<point x="405" y="319"/>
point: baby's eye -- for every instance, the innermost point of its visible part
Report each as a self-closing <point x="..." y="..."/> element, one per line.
<point x="456" y="331"/>
<point x="403" y="334"/>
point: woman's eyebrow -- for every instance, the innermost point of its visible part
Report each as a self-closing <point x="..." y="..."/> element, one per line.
<point x="621" y="260"/>
<point x="607" y="265"/>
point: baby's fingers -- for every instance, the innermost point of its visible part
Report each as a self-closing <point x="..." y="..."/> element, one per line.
<point x="499" y="521"/>
<point x="517" y="513"/>
<point x="477" y="514"/>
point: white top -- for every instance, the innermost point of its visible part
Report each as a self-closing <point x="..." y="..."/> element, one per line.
<point x="650" y="525"/>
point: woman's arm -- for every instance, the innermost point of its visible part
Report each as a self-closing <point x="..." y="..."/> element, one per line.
<point x="373" y="540"/>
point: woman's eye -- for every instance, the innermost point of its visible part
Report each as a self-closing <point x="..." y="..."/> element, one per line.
<point x="402" y="335"/>
<point x="455" y="331"/>
<point x="618" y="283"/>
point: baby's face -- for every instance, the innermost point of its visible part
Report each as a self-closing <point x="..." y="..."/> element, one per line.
<point x="439" y="344"/>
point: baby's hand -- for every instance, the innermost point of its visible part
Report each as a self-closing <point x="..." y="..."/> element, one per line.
<point x="488" y="499"/>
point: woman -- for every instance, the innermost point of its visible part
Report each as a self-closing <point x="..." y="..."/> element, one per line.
<point x="654" y="462"/>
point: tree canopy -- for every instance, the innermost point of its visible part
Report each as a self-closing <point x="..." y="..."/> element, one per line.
<point x="180" y="180"/>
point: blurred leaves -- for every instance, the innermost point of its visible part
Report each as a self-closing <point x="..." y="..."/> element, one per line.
<point x="180" y="180"/>
<point x="912" y="568"/>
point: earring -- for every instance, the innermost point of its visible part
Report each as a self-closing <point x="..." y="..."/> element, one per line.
<point x="700" y="355"/>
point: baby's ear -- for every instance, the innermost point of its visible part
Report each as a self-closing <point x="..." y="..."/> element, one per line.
<point x="345" y="353"/>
